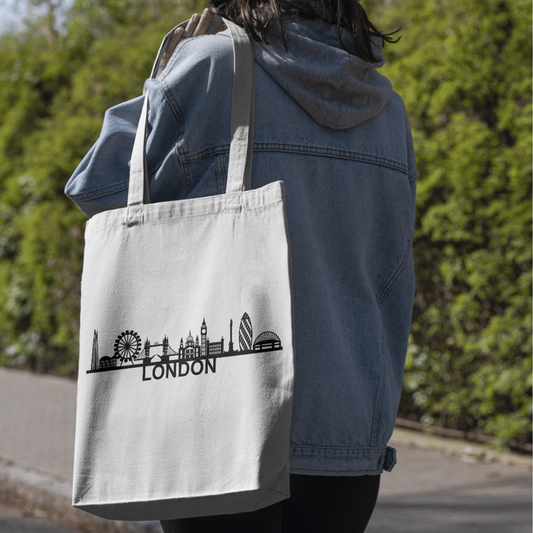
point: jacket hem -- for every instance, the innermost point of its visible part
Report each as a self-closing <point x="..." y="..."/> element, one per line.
<point x="336" y="461"/>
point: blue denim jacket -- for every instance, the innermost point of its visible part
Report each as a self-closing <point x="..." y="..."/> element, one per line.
<point x="331" y="127"/>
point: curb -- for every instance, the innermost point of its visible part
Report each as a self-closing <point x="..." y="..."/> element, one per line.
<point x="54" y="497"/>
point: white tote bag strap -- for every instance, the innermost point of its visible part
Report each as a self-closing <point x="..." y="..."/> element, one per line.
<point x="242" y="112"/>
<point x="139" y="192"/>
<point x="242" y="118"/>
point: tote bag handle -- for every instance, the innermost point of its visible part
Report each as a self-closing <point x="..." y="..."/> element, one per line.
<point x="242" y="118"/>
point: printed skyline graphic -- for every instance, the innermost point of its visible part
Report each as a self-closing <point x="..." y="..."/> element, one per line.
<point x="130" y="352"/>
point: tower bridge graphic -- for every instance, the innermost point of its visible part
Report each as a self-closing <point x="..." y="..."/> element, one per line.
<point x="129" y="351"/>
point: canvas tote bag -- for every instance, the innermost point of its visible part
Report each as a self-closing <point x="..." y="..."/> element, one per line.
<point x="186" y="343"/>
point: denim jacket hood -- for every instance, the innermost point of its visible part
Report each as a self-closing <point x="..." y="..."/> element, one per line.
<point x="339" y="90"/>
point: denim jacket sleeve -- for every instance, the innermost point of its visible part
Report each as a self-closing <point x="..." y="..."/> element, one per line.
<point x="101" y="180"/>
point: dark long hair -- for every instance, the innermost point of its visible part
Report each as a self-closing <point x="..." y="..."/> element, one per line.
<point x="257" y="16"/>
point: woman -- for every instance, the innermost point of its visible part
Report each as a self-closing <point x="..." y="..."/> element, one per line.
<point x="331" y="127"/>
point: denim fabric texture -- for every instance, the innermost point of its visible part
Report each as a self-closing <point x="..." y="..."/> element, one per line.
<point x="332" y="128"/>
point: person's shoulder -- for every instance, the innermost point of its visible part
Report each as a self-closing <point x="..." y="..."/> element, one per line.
<point x="198" y="78"/>
<point x="397" y="101"/>
<point x="195" y="54"/>
<point x="396" y="109"/>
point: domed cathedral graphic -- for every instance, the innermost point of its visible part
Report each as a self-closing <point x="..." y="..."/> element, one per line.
<point x="129" y="351"/>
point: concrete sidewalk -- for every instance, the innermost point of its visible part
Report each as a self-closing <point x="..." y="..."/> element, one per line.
<point x="439" y="485"/>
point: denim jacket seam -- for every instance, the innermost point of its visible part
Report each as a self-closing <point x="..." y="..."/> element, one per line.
<point x="208" y="152"/>
<point x="379" y="405"/>
<point x="341" y="154"/>
<point x="294" y="148"/>
<point x="173" y="104"/>
<point x="98" y="193"/>
<point x="178" y="115"/>
<point x="185" y="168"/>
<point x="219" y="172"/>
<point x="412" y="177"/>
<point x="381" y="298"/>
<point x="395" y="275"/>
<point x="377" y="416"/>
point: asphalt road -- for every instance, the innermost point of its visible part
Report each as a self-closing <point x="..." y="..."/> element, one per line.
<point x="17" y="520"/>
<point x="430" y="491"/>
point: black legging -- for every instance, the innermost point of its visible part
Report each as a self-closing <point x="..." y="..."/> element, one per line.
<point x="318" y="504"/>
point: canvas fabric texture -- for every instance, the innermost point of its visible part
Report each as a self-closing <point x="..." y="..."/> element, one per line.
<point x="186" y="345"/>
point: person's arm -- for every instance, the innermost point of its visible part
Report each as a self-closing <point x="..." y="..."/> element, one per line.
<point x="101" y="180"/>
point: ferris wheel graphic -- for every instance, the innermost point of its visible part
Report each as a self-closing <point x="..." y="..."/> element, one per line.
<point x="127" y="346"/>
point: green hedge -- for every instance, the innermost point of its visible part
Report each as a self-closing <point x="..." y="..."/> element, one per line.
<point x="463" y="68"/>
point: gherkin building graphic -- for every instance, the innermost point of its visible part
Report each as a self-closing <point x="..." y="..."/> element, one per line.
<point x="245" y="333"/>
